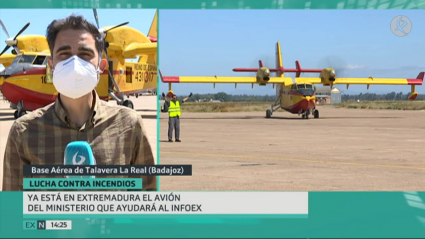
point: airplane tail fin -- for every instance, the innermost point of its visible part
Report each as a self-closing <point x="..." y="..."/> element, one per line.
<point x="279" y="63"/>
<point x="297" y="64"/>
<point x="421" y="75"/>
<point x="418" y="80"/>
<point x="153" y="30"/>
<point x="279" y="67"/>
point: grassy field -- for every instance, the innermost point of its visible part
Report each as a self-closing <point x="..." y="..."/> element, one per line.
<point x="214" y="107"/>
<point x="384" y="105"/>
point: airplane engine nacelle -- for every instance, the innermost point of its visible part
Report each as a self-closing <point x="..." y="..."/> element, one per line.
<point x="328" y="76"/>
<point x="263" y="76"/>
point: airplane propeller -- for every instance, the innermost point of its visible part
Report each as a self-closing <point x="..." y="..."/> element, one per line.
<point x="103" y="33"/>
<point x="12" y="42"/>
<point x="336" y="63"/>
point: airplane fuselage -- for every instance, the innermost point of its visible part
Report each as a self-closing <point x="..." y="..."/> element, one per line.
<point x="298" y="98"/>
<point x="134" y="77"/>
<point x="32" y="83"/>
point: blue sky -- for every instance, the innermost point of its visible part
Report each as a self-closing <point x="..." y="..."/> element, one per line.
<point x="213" y="42"/>
<point x="15" y="19"/>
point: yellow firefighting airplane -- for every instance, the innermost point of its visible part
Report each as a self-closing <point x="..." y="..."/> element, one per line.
<point x="299" y="97"/>
<point x="26" y="82"/>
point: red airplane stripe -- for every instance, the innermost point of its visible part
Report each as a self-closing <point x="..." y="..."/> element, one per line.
<point x="414" y="81"/>
<point x="171" y="79"/>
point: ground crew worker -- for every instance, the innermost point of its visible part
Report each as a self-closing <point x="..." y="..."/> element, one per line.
<point x="174" y="113"/>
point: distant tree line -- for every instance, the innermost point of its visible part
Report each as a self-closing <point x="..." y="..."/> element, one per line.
<point x="373" y="97"/>
<point x="224" y="97"/>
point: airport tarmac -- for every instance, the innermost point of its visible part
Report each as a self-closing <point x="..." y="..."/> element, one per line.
<point x="343" y="150"/>
<point x="146" y="105"/>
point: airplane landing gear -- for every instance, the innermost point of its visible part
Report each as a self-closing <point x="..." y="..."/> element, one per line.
<point x="316" y="114"/>
<point x="20" y="110"/>
<point x="121" y="101"/>
<point x="17" y="114"/>
<point x="275" y="106"/>
<point x="128" y="103"/>
<point x="306" y="114"/>
<point x="268" y="113"/>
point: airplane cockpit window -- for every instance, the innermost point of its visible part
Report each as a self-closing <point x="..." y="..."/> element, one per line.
<point x="27" y="59"/>
<point x="39" y="60"/>
<point x="305" y="89"/>
<point x="46" y="60"/>
<point x="16" y="59"/>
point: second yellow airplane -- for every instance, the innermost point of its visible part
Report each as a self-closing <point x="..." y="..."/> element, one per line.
<point x="26" y="82"/>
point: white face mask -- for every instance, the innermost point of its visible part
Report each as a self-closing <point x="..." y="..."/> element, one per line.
<point x="75" y="77"/>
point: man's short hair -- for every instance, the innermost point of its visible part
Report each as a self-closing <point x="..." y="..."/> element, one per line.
<point x="75" y="22"/>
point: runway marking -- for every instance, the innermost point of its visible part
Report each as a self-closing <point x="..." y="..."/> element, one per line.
<point x="297" y="160"/>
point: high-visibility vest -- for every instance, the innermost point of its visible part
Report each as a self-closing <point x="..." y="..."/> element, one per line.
<point x="174" y="109"/>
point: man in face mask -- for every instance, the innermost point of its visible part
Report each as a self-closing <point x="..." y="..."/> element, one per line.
<point x="115" y="133"/>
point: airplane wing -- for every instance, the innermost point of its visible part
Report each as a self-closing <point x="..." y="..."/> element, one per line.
<point x="366" y="81"/>
<point x="222" y="79"/>
<point x="7" y="59"/>
<point x="311" y="80"/>
<point x="137" y="49"/>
